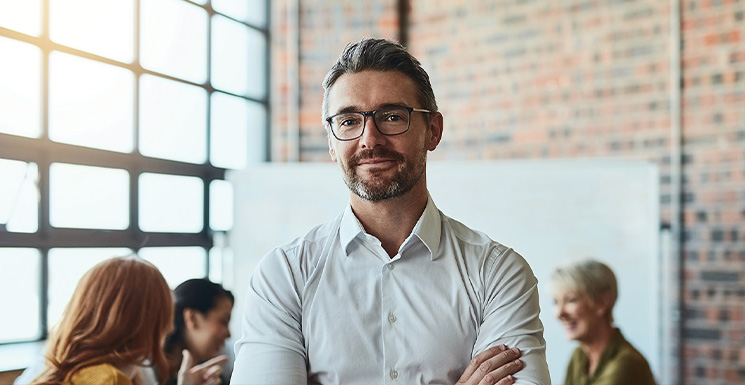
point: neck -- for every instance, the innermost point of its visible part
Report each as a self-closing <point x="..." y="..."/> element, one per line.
<point x="391" y="220"/>
<point x="595" y="346"/>
<point x="128" y="370"/>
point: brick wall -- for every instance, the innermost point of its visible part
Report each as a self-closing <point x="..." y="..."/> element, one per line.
<point x="572" y="79"/>
<point x="325" y="28"/>
<point x="713" y="62"/>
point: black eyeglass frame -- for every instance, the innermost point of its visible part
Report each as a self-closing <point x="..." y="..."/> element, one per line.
<point x="365" y="114"/>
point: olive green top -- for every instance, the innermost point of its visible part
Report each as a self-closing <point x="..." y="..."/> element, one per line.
<point x="620" y="364"/>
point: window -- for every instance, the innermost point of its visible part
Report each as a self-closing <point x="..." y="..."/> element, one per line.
<point x="118" y="140"/>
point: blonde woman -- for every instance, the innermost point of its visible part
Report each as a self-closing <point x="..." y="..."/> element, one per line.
<point x="584" y="295"/>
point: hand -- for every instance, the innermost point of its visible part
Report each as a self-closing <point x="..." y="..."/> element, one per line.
<point x="207" y="373"/>
<point x="495" y="366"/>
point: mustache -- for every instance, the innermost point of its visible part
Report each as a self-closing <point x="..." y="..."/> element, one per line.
<point x="377" y="152"/>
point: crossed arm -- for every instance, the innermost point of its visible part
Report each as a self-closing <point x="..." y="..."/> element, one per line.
<point x="273" y="350"/>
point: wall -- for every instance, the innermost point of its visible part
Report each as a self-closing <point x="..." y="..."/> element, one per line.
<point x="549" y="79"/>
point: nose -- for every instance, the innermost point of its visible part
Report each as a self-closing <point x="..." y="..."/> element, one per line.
<point x="371" y="136"/>
<point x="559" y="312"/>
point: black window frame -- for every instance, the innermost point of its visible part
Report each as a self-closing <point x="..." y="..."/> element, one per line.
<point x="43" y="152"/>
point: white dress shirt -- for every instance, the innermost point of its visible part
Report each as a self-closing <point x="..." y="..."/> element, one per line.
<point x="332" y="307"/>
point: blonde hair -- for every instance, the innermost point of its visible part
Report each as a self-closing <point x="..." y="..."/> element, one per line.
<point x="588" y="277"/>
<point x="121" y="311"/>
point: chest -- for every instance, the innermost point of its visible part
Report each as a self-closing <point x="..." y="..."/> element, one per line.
<point x="409" y="320"/>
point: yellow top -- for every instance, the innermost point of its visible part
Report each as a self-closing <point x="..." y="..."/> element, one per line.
<point x="101" y="374"/>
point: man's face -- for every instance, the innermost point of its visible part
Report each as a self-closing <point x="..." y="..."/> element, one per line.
<point x="375" y="166"/>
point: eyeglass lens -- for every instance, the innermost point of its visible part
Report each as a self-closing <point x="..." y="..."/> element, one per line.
<point x="389" y="120"/>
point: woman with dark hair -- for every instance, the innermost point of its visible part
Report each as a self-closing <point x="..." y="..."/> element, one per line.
<point x="113" y="327"/>
<point x="200" y="324"/>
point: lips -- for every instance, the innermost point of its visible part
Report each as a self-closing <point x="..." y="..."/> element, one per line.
<point x="377" y="156"/>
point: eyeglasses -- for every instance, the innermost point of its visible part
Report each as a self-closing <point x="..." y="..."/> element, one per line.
<point x="391" y="120"/>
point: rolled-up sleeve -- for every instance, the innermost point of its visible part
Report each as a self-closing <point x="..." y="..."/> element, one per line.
<point x="511" y="314"/>
<point x="271" y="349"/>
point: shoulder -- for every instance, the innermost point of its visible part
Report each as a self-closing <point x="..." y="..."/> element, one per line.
<point x="473" y="243"/>
<point x="303" y="246"/>
<point x="299" y="257"/>
<point x="629" y="366"/>
<point x="101" y="374"/>
<point x="494" y="259"/>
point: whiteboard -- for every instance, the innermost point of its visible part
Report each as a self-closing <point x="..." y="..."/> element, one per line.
<point x="548" y="211"/>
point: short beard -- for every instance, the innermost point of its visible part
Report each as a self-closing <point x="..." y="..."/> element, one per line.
<point x="403" y="181"/>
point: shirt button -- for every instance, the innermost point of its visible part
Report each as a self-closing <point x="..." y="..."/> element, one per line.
<point x="392" y="318"/>
<point x="390" y="266"/>
<point x="394" y="374"/>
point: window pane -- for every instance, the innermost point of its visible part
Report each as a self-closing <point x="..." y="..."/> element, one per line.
<point x="182" y="120"/>
<point x="66" y="267"/>
<point x="19" y="196"/>
<point x="221" y="205"/>
<point x="20" y="82"/>
<point x="21" y="15"/>
<point x="171" y="203"/>
<point x="88" y="197"/>
<point x="177" y="264"/>
<point x="238" y="131"/>
<point x="251" y="11"/>
<point x="216" y="264"/>
<point x="101" y="27"/>
<point x="90" y="103"/>
<point x="238" y="58"/>
<point x="174" y="39"/>
<point x="19" y="283"/>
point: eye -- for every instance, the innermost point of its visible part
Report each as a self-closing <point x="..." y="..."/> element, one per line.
<point x="393" y="116"/>
<point x="347" y="120"/>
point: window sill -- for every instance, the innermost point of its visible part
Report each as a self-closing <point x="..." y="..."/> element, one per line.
<point x="20" y="355"/>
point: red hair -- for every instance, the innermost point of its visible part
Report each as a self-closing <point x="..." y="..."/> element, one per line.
<point x="120" y="313"/>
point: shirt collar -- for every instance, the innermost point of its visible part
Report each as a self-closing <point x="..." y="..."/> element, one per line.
<point x="427" y="228"/>
<point x="349" y="228"/>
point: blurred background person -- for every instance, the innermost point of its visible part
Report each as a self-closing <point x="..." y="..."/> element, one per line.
<point x="118" y="316"/>
<point x="113" y="329"/>
<point x="200" y="324"/>
<point x="584" y="294"/>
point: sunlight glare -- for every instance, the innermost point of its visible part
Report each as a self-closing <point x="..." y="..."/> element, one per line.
<point x="101" y="27"/>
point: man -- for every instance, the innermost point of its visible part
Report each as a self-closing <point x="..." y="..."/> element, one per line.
<point x="392" y="291"/>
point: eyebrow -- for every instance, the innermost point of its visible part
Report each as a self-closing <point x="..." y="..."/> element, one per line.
<point x="355" y="109"/>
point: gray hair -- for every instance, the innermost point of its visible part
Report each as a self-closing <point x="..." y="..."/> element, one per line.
<point x="380" y="55"/>
<point x="589" y="277"/>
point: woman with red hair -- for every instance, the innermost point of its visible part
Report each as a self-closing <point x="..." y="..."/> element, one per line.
<point x="114" y="325"/>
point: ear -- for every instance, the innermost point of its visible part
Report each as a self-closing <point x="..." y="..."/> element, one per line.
<point x="435" y="131"/>
<point x="332" y="151"/>
<point x="603" y="303"/>
<point x="191" y="319"/>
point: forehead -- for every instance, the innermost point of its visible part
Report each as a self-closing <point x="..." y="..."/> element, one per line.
<point x="561" y="291"/>
<point x="368" y="90"/>
<point x="223" y="305"/>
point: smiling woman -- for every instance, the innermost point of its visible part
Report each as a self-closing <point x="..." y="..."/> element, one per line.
<point x="584" y="294"/>
<point x="200" y="323"/>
